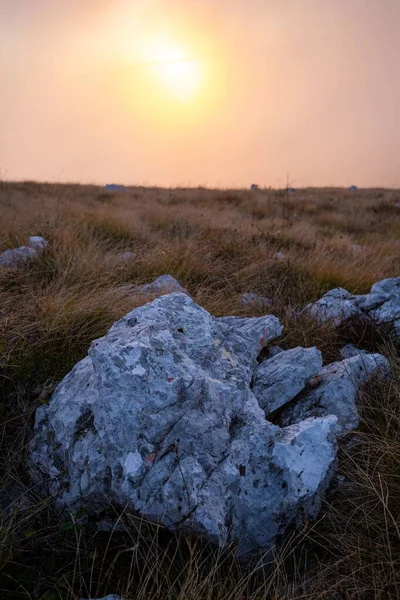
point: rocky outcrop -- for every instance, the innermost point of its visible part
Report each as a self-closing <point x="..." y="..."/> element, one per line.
<point x="278" y="380"/>
<point x="23" y="254"/>
<point x="382" y="305"/>
<point x="160" y="417"/>
<point x="334" y="391"/>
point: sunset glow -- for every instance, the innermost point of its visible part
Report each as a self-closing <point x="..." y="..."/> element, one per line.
<point x="211" y="93"/>
<point x="176" y="73"/>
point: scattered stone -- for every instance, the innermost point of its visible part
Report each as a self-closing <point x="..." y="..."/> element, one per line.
<point x="165" y="284"/>
<point x="382" y="304"/>
<point x="160" y="418"/>
<point x="17" y="256"/>
<point x="357" y="249"/>
<point x="337" y="305"/>
<point x="37" y="242"/>
<point x="254" y="187"/>
<point x="334" y="391"/>
<point x="23" y="254"/>
<point x="251" y="299"/>
<point x="280" y="255"/>
<point x="127" y="256"/>
<point x="279" y="379"/>
<point x="353" y="188"/>
<point x="115" y="187"/>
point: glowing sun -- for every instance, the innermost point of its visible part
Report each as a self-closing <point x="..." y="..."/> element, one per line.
<point x="178" y="74"/>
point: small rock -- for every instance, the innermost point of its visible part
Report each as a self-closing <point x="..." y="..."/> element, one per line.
<point x="357" y="249"/>
<point x="254" y="187"/>
<point x="353" y="188"/>
<point x="127" y="256"/>
<point x="251" y="299"/>
<point x="279" y="379"/>
<point x="115" y="187"/>
<point x="17" y="256"/>
<point x="337" y="305"/>
<point x="37" y="242"/>
<point x="165" y="284"/>
<point x="280" y="255"/>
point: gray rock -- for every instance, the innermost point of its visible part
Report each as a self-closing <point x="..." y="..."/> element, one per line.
<point x="357" y="249"/>
<point x="350" y="350"/>
<point x="160" y="417"/>
<point x="280" y="255"/>
<point x="37" y="242"/>
<point x="250" y="299"/>
<point x="165" y="284"/>
<point x="254" y="187"/>
<point x="382" y="304"/>
<point x="17" y="256"/>
<point x="337" y="305"/>
<point x="126" y="256"/>
<point x="282" y="377"/>
<point x="334" y="391"/>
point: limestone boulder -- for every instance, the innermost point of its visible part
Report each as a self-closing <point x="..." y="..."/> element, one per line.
<point x="381" y="305"/>
<point x="337" y="306"/>
<point x="160" y="418"/>
<point x="334" y="391"/>
<point x="281" y="378"/>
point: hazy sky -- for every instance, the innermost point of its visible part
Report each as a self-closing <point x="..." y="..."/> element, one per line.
<point x="210" y="92"/>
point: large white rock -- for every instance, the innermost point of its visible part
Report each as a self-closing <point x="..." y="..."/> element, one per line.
<point x="160" y="417"/>
<point x="280" y="378"/>
<point x="334" y="391"/>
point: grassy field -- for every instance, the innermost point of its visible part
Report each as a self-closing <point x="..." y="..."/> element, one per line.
<point x="218" y="244"/>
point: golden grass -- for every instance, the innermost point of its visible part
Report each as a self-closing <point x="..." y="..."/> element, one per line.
<point x="218" y="244"/>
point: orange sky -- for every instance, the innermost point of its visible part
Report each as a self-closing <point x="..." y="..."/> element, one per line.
<point x="215" y="93"/>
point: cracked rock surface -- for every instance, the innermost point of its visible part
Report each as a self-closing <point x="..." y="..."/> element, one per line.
<point x="334" y="391"/>
<point x="382" y="304"/>
<point x="280" y="378"/>
<point x="160" y="417"/>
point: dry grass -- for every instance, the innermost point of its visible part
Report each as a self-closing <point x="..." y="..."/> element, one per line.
<point x="218" y="244"/>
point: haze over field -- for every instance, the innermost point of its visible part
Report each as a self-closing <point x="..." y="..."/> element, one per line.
<point x="217" y="93"/>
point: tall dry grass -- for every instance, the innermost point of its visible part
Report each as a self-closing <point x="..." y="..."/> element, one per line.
<point x="218" y="244"/>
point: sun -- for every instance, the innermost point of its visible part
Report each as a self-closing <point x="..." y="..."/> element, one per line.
<point x="176" y="72"/>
